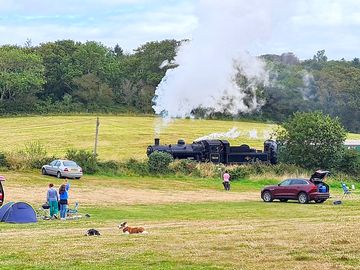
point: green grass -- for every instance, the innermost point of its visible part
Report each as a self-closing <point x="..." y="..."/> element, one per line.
<point x="119" y="136"/>
<point x="190" y="234"/>
<point x="192" y="223"/>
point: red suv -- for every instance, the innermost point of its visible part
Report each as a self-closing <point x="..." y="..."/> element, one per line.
<point x="299" y="189"/>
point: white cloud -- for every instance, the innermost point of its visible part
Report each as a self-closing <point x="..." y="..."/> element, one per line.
<point x="301" y="26"/>
<point x="129" y="23"/>
<point x="327" y="13"/>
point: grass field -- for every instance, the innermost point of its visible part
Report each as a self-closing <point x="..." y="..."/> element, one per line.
<point x="119" y="136"/>
<point x="192" y="224"/>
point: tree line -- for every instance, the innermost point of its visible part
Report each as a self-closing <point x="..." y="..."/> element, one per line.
<point x="67" y="76"/>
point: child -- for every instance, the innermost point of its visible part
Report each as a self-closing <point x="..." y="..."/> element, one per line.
<point x="226" y="180"/>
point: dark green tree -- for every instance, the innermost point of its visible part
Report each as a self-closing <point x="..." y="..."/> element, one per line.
<point x="312" y="140"/>
<point x="21" y="78"/>
<point x="91" y="57"/>
<point x="118" y="51"/>
<point x="92" y="92"/>
<point x="60" y="67"/>
<point x="356" y="62"/>
<point x="320" y="57"/>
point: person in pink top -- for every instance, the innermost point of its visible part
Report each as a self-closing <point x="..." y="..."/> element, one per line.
<point x="226" y="180"/>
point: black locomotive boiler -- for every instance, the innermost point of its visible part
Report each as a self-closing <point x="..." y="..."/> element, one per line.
<point x="218" y="151"/>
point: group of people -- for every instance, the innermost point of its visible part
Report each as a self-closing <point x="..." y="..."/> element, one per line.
<point x="58" y="200"/>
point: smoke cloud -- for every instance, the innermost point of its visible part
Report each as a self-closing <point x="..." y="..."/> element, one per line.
<point x="210" y="63"/>
<point x="230" y="134"/>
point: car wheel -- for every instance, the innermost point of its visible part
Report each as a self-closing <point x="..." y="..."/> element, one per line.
<point x="43" y="171"/>
<point x="283" y="200"/>
<point x="320" y="201"/>
<point x="303" y="198"/>
<point x="58" y="175"/>
<point x="267" y="197"/>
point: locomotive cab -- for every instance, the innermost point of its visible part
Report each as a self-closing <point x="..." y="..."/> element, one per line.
<point x="215" y="150"/>
<point x="270" y="147"/>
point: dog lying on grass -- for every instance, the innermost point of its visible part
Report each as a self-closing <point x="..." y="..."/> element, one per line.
<point x="131" y="230"/>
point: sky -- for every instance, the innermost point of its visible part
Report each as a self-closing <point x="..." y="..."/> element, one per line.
<point x="302" y="27"/>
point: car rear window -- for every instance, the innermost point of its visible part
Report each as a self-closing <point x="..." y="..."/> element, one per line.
<point x="70" y="163"/>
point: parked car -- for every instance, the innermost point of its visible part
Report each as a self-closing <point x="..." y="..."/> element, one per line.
<point x="300" y="189"/>
<point x="2" y="195"/>
<point x="62" y="168"/>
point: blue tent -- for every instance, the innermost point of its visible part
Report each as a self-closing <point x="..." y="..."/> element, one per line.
<point x="17" y="212"/>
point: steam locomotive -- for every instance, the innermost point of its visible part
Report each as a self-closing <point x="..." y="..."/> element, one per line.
<point x="217" y="151"/>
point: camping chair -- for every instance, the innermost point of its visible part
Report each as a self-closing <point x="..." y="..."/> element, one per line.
<point x="73" y="213"/>
<point x="346" y="190"/>
<point x="43" y="212"/>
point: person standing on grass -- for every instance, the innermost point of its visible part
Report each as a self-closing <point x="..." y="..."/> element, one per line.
<point x="52" y="199"/>
<point x="64" y="195"/>
<point x="226" y="180"/>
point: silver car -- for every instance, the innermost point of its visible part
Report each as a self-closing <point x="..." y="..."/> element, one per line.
<point x="63" y="168"/>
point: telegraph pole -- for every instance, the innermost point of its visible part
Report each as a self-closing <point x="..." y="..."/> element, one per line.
<point x="96" y="135"/>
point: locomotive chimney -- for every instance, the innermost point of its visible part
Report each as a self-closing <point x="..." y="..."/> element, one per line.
<point x="157" y="141"/>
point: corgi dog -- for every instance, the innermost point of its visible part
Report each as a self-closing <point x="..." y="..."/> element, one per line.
<point x="131" y="230"/>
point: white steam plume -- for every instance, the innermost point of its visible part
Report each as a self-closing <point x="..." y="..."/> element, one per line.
<point x="230" y="134"/>
<point x="209" y="62"/>
<point x="253" y="134"/>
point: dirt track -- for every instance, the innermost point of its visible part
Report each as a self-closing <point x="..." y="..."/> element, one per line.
<point x="119" y="195"/>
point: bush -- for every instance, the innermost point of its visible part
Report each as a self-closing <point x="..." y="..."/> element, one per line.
<point x="185" y="167"/>
<point x="86" y="159"/>
<point x="239" y="172"/>
<point x="3" y="161"/>
<point x="350" y="162"/>
<point x="134" y="167"/>
<point x="38" y="163"/>
<point x="110" y="166"/>
<point x="210" y="170"/>
<point x="16" y="161"/>
<point x="285" y="169"/>
<point x="34" y="155"/>
<point x="159" y="162"/>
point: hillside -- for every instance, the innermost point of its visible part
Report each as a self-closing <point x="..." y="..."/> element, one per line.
<point x="59" y="78"/>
